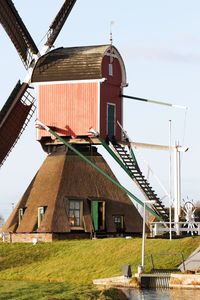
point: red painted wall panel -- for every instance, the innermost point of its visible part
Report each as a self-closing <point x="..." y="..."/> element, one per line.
<point x="110" y="93"/>
<point x="71" y="108"/>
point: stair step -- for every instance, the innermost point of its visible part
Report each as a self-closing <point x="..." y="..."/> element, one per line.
<point x="146" y="185"/>
<point x="133" y="167"/>
<point x="150" y="193"/>
<point x="158" y="205"/>
<point x="160" y="208"/>
<point x="148" y="190"/>
<point x="127" y="159"/>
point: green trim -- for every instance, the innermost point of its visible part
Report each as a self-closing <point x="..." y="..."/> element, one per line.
<point x="118" y="160"/>
<point x="102" y="172"/>
<point x="133" y="155"/>
<point x="95" y="215"/>
<point x="112" y="153"/>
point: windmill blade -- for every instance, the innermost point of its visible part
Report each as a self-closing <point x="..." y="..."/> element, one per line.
<point x="14" y="117"/>
<point x="59" y="21"/>
<point x="17" y="31"/>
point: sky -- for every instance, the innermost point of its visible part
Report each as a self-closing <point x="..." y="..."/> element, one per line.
<point x="160" y="44"/>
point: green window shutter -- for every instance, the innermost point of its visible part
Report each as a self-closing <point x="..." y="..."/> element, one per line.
<point x="95" y="215"/>
<point x="111" y="120"/>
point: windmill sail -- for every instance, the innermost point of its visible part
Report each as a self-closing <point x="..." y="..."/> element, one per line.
<point x="19" y="108"/>
<point x="14" y="117"/>
<point x="59" y="21"/>
<point x="17" y="31"/>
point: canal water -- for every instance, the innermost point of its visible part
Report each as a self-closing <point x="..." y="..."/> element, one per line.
<point x="163" y="294"/>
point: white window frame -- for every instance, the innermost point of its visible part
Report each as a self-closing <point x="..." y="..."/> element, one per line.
<point x="80" y="226"/>
<point x="21" y="213"/>
<point x="110" y="69"/>
<point x="40" y="219"/>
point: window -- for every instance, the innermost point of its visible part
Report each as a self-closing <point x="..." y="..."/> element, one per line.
<point x="41" y="212"/>
<point x="110" y="69"/>
<point x="21" y="213"/>
<point x="119" y="222"/>
<point x="75" y="213"/>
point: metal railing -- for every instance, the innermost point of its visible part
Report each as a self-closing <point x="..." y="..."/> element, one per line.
<point x="177" y="227"/>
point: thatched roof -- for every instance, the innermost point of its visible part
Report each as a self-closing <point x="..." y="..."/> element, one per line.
<point x="74" y="63"/>
<point x="66" y="176"/>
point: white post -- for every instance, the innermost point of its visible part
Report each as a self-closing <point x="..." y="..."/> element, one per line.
<point x="143" y="235"/>
<point x="156" y="229"/>
<point x="198" y="228"/>
<point x="143" y="232"/>
<point x="170" y="181"/>
<point x="177" y="189"/>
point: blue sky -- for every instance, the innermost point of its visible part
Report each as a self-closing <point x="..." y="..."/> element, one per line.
<point x="160" y="45"/>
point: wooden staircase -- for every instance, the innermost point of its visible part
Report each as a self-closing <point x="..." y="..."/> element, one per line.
<point x="132" y="166"/>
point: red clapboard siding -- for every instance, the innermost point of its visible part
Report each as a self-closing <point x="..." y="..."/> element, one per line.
<point x="71" y="108"/>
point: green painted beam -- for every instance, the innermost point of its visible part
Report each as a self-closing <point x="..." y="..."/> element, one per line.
<point x="98" y="169"/>
<point x="118" y="160"/>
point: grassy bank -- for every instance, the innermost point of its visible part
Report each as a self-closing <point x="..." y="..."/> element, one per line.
<point x="20" y="290"/>
<point x="74" y="264"/>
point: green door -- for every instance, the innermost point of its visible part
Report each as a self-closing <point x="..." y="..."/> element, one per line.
<point x="111" y="120"/>
<point x="95" y="214"/>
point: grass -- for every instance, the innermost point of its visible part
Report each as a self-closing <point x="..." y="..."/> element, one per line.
<point x="70" y="266"/>
<point x="46" y="291"/>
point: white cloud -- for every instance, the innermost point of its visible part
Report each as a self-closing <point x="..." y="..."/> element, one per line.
<point x="164" y="54"/>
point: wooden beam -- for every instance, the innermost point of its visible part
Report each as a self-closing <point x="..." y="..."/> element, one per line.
<point x="152" y="146"/>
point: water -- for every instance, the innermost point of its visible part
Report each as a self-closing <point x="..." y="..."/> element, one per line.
<point x="163" y="294"/>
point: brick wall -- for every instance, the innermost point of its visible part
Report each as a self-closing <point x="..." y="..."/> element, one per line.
<point x="42" y="237"/>
<point x="30" y="237"/>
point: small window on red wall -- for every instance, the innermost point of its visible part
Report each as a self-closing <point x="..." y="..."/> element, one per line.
<point x="110" y="69"/>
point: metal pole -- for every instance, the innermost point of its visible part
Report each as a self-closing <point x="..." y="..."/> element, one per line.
<point x="170" y="183"/>
<point x="179" y="182"/>
<point x="154" y="101"/>
<point x="177" y="188"/>
<point x="144" y="231"/>
<point x="143" y="236"/>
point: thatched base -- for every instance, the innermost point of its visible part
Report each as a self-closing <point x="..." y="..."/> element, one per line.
<point x="62" y="178"/>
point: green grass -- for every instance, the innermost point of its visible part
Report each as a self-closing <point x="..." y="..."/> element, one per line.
<point x="46" y="291"/>
<point x="74" y="264"/>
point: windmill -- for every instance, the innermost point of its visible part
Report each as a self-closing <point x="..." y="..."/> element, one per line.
<point x="66" y="198"/>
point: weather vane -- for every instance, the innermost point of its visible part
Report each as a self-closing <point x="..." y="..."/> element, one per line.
<point x="111" y="36"/>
